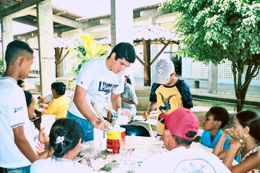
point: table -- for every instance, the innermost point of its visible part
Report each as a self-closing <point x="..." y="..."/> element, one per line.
<point x="144" y="147"/>
<point x="199" y="146"/>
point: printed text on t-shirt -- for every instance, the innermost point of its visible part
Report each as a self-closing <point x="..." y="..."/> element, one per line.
<point x="106" y="87"/>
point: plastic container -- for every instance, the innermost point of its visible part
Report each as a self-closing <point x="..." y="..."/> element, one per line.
<point x="113" y="140"/>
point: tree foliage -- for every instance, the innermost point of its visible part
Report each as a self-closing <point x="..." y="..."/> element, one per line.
<point x="1" y="66"/>
<point x="219" y="30"/>
<point x="88" y="49"/>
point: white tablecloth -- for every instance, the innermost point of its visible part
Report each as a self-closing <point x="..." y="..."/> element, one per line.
<point x="144" y="147"/>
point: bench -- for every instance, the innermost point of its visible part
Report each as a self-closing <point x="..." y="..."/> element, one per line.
<point x="67" y="81"/>
<point x="37" y="87"/>
<point x="196" y="81"/>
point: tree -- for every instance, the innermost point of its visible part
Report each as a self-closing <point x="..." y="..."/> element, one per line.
<point x="220" y="30"/>
<point x="88" y="49"/>
<point x="1" y="66"/>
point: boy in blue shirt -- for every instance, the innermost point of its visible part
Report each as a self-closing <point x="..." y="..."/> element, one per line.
<point x="215" y="119"/>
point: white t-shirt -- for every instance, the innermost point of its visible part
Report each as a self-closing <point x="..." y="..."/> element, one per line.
<point x="49" y="97"/>
<point x="129" y="94"/>
<point x="13" y="113"/>
<point x="95" y="77"/>
<point x="182" y="160"/>
<point x="56" y="165"/>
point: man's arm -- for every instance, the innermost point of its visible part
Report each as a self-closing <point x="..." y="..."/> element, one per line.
<point x="153" y="100"/>
<point x="83" y="107"/>
<point x="151" y="107"/>
<point x="24" y="145"/>
<point x="128" y="101"/>
<point x="116" y="101"/>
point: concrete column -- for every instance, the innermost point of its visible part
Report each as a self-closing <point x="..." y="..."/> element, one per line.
<point x="7" y="35"/>
<point x="121" y="27"/>
<point x="46" y="50"/>
<point x="213" y="78"/>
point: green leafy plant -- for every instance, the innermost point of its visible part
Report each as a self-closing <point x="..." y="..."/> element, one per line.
<point x="1" y="66"/>
<point x="88" y="49"/>
<point x="221" y="30"/>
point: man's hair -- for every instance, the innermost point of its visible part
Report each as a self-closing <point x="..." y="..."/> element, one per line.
<point x="15" y="49"/>
<point x="219" y="114"/>
<point x="182" y="141"/>
<point x="128" y="80"/>
<point x="124" y="50"/>
<point x="19" y="82"/>
<point x="28" y="97"/>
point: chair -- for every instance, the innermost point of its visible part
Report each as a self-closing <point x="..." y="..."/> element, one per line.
<point x="135" y="130"/>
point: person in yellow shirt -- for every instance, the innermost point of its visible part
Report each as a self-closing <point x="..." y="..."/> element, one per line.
<point x="60" y="104"/>
<point x="168" y="93"/>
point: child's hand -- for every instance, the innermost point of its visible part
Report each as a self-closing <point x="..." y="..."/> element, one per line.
<point x="236" y="134"/>
<point x="228" y="132"/>
<point x="43" y="100"/>
<point x="145" y="115"/>
<point x="236" y="143"/>
<point x="39" y="147"/>
<point x="42" y="106"/>
<point x="43" y="138"/>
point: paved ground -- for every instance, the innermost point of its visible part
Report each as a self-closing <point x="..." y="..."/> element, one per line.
<point x="225" y="92"/>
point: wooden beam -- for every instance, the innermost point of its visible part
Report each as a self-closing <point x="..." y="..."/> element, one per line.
<point x="57" y="61"/>
<point x="159" y="53"/>
<point x="139" y="59"/>
<point x="65" y="56"/>
<point x="147" y="67"/>
<point x="163" y="42"/>
<point x="17" y="7"/>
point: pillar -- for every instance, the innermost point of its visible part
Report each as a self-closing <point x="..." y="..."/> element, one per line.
<point x="121" y="28"/>
<point x="45" y="42"/>
<point x="213" y="78"/>
<point x="7" y="35"/>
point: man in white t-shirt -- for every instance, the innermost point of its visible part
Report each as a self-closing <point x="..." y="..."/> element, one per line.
<point x="181" y="126"/>
<point x="98" y="77"/>
<point x="17" y="148"/>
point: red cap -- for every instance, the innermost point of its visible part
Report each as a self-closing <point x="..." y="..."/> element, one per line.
<point x="181" y="121"/>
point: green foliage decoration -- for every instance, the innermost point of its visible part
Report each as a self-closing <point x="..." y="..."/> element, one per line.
<point x="87" y="49"/>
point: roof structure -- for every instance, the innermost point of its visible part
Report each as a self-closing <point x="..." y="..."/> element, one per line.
<point x="85" y="19"/>
<point x="146" y="35"/>
<point x="155" y="34"/>
<point x="24" y="11"/>
<point x="60" y="43"/>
